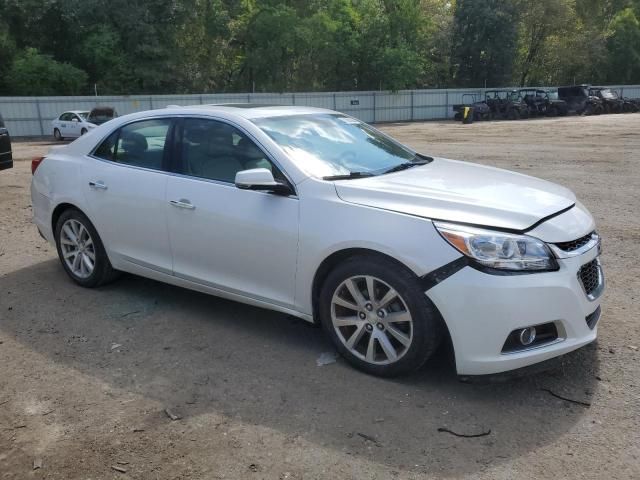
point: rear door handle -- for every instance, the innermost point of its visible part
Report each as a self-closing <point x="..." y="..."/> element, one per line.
<point x="98" y="185"/>
<point x="183" y="203"/>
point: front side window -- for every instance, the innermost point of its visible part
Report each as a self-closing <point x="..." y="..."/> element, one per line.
<point x="140" y="144"/>
<point x="217" y="151"/>
<point x="327" y="145"/>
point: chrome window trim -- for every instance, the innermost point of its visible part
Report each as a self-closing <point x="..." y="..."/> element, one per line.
<point x="270" y="157"/>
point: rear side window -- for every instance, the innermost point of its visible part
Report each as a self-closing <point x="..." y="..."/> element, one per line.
<point x="140" y="144"/>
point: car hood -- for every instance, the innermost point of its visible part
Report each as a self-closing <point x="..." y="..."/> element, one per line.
<point x="461" y="192"/>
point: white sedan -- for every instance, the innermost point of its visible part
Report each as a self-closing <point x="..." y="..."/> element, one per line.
<point x="71" y="124"/>
<point x="313" y="213"/>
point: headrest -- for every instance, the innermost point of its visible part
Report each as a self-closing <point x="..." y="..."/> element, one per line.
<point x="133" y="141"/>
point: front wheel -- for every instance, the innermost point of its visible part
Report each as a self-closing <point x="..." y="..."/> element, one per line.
<point x="378" y="317"/>
<point x="81" y="251"/>
<point x="57" y="135"/>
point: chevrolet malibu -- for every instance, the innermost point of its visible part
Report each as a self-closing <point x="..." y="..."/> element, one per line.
<point x="315" y="214"/>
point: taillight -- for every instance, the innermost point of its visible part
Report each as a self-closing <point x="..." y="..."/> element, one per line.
<point x="35" y="163"/>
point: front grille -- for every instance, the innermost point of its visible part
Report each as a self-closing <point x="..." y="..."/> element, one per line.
<point x="589" y="275"/>
<point x="575" y="244"/>
<point x="593" y="318"/>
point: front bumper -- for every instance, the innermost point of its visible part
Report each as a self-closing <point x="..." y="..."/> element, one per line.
<point x="481" y="309"/>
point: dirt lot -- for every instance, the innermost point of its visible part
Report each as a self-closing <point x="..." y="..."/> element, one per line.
<point x="86" y="375"/>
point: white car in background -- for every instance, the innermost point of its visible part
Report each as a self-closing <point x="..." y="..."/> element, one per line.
<point x="71" y="124"/>
<point x="316" y="214"/>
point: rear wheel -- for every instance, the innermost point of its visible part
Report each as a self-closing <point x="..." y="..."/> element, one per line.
<point x="83" y="131"/>
<point x="57" y="135"/>
<point x="378" y="317"/>
<point x="81" y="251"/>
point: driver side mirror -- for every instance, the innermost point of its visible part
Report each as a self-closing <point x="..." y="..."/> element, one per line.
<point x="261" y="179"/>
<point x="74" y="120"/>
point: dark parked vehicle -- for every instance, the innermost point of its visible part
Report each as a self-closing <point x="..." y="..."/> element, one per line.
<point x="6" y="159"/>
<point x="543" y="102"/>
<point x="100" y="115"/>
<point x="506" y="104"/>
<point x="579" y="101"/>
<point x="611" y="101"/>
<point x="479" y="109"/>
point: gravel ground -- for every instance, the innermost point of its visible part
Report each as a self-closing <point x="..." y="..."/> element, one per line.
<point x="86" y="375"/>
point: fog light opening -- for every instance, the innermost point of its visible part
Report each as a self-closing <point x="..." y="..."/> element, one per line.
<point x="527" y="336"/>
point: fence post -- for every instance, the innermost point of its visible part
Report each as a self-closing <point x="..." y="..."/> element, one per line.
<point x="293" y="98"/>
<point x="201" y="100"/>
<point x="412" y="115"/>
<point x="374" y="107"/>
<point x="39" y="117"/>
<point x="446" y="112"/>
<point x="248" y="98"/>
<point x="335" y="105"/>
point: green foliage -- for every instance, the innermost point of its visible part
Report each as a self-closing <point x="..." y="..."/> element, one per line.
<point x="202" y="46"/>
<point x="624" y="48"/>
<point x="485" y="38"/>
<point x="32" y="73"/>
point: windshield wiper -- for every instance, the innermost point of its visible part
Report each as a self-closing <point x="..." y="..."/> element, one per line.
<point x="405" y="166"/>
<point x="348" y="176"/>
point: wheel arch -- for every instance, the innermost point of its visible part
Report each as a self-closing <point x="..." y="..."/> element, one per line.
<point x="59" y="210"/>
<point x="330" y="262"/>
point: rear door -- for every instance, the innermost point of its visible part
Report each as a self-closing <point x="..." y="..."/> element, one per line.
<point x="125" y="181"/>
<point x="5" y="147"/>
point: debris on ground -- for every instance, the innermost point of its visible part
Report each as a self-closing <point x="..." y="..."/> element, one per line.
<point x="571" y="400"/>
<point x="37" y="463"/>
<point x="370" y="439"/>
<point x="173" y="416"/>
<point x="118" y="469"/>
<point x="465" y="435"/>
<point x="115" y="345"/>
<point x="326" y="358"/>
<point x="253" y="467"/>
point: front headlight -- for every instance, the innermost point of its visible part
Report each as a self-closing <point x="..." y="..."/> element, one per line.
<point x="493" y="249"/>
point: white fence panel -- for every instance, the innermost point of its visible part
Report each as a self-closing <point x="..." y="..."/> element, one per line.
<point x="31" y="116"/>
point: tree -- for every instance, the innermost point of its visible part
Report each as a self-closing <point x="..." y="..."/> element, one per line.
<point x="484" y="43"/>
<point x="539" y="21"/>
<point x="624" y="48"/>
<point x="33" y="73"/>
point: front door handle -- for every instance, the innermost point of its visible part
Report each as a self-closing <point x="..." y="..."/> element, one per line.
<point x="98" y="185"/>
<point x="182" y="203"/>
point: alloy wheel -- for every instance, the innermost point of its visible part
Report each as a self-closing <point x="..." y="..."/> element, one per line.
<point x="78" y="249"/>
<point x="371" y="320"/>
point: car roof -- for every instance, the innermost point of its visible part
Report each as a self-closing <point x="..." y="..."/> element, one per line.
<point x="75" y="111"/>
<point x="252" y="110"/>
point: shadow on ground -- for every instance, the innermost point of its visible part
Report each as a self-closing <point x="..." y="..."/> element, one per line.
<point x="200" y="354"/>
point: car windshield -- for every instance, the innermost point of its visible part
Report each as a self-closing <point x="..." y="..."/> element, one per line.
<point x="101" y="115"/>
<point x="330" y="145"/>
<point x="83" y="115"/>
<point x="608" y="94"/>
<point x="553" y="95"/>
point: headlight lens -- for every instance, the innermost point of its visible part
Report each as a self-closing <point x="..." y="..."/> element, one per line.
<point x="504" y="251"/>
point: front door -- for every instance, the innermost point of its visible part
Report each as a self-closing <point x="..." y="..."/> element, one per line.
<point x="241" y="241"/>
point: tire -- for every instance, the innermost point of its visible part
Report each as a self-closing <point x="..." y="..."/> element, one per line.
<point x="57" y="135"/>
<point x="513" y="114"/>
<point x="90" y="246"/>
<point x="83" y="131"/>
<point x="421" y="334"/>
